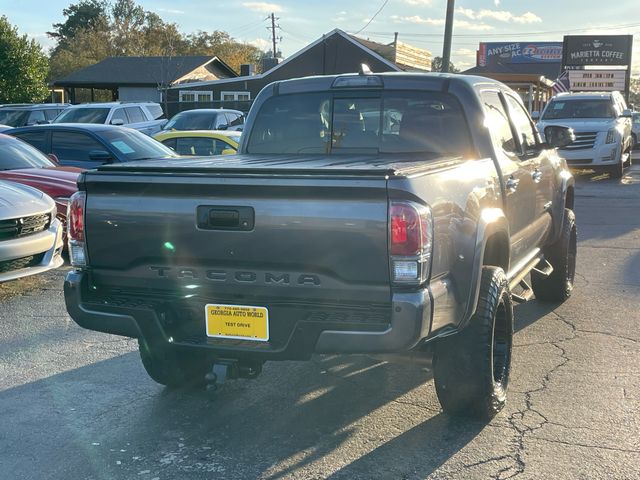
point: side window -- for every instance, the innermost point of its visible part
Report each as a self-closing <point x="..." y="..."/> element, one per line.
<point x="521" y="121"/>
<point x="170" y="142"/>
<point x="195" y="146"/>
<point x="135" y="114"/>
<point x="235" y="119"/>
<point x="35" y="139"/>
<point x="73" y="145"/>
<point x="51" y="113"/>
<point x="119" y="114"/>
<point x="221" y="120"/>
<point x="36" y="117"/>
<point x="219" y="146"/>
<point x="497" y="121"/>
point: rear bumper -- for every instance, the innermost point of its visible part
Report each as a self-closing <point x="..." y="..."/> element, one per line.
<point x="409" y="322"/>
<point x="44" y="248"/>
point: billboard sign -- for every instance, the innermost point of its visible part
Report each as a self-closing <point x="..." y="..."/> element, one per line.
<point x="597" y="50"/>
<point x="492" y="53"/>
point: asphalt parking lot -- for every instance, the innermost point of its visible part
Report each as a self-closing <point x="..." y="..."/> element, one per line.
<point x="77" y="404"/>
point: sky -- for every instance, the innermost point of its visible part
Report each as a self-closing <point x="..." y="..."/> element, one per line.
<point x="418" y="22"/>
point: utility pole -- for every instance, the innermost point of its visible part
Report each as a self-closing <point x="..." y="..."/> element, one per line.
<point x="448" y="32"/>
<point x="273" y="33"/>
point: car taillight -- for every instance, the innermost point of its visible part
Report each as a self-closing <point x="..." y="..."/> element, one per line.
<point x="411" y="242"/>
<point x="75" y="229"/>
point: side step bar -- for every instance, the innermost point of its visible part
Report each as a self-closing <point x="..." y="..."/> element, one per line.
<point x="537" y="264"/>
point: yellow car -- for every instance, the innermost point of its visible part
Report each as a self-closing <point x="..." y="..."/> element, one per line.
<point x="200" y="142"/>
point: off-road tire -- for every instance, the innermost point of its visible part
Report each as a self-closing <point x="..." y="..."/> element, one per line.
<point x="471" y="368"/>
<point x="168" y="368"/>
<point x="558" y="286"/>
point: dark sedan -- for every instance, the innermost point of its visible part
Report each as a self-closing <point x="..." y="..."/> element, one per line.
<point x="89" y="146"/>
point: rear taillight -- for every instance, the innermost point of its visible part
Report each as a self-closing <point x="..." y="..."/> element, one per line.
<point x="75" y="229"/>
<point x="411" y="242"/>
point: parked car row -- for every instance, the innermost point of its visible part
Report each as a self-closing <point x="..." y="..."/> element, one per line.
<point x="40" y="161"/>
<point x="147" y="117"/>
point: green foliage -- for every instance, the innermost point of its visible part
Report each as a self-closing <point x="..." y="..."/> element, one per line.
<point x="124" y="28"/>
<point x="23" y="67"/>
<point x="86" y="14"/>
<point x="436" y="66"/>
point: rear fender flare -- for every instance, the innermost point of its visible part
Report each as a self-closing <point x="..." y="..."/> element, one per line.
<point x="492" y="222"/>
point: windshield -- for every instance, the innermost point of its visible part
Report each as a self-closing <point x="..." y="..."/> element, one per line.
<point x="563" y="108"/>
<point x="13" y="118"/>
<point x="83" y="115"/>
<point x="191" y="121"/>
<point x="394" y="122"/>
<point x="135" y="145"/>
<point x="16" y="154"/>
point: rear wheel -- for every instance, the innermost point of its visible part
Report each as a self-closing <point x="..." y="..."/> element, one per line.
<point x="471" y="368"/>
<point x="558" y="286"/>
<point x="169" y="368"/>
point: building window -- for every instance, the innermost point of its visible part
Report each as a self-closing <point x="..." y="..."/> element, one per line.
<point x="196" y="96"/>
<point x="235" y="96"/>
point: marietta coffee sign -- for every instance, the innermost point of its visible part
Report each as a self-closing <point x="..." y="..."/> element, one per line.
<point x="597" y="50"/>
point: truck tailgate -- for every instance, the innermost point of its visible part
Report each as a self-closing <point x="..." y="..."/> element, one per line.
<point x="300" y="238"/>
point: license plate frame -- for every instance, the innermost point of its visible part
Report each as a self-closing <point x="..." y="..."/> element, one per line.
<point x="246" y="318"/>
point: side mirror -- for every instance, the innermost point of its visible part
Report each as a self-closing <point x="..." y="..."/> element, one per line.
<point x="100" y="156"/>
<point x="223" y="127"/>
<point x="627" y="113"/>
<point x="117" y="121"/>
<point x="558" y="137"/>
<point x="535" y="115"/>
<point x="228" y="151"/>
<point x="53" y="158"/>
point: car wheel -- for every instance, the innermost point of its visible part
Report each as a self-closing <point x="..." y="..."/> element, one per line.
<point x="558" y="286"/>
<point x="168" y="368"/>
<point x="617" y="170"/>
<point x="471" y="368"/>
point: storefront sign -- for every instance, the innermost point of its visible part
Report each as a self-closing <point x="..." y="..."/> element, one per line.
<point x="597" y="80"/>
<point x="597" y="50"/>
<point x="518" y="52"/>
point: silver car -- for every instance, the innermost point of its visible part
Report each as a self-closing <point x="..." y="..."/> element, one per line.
<point x="30" y="234"/>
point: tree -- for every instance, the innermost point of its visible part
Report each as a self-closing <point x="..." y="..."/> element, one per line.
<point x="124" y="28"/>
<point x="23" y="67"/>
<point x="436" y="66"/>
<point x="86" y="14"/>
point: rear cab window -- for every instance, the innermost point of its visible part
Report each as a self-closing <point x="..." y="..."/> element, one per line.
<point x="362" y="122"/>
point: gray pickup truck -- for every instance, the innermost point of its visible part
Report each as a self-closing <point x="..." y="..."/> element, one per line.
<point x="395" y="214"/>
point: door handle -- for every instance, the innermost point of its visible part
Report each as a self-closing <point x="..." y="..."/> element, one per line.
<point x="512" y="184"/>
<point x="536" y="175"/>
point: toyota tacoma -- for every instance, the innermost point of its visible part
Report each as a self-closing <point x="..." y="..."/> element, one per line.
<point x="380" y="214"/>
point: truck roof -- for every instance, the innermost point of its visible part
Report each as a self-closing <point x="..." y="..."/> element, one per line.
<point x="391" y="79"/>
<point x="584" y="95"/>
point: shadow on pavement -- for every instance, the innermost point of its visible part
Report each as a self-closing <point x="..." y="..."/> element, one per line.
<point x="118" y="423"/>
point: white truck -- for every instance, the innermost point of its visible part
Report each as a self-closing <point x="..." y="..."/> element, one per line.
<point x="602" y="126"/>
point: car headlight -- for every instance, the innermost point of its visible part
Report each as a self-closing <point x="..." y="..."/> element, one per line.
<point x="611" y="136"/>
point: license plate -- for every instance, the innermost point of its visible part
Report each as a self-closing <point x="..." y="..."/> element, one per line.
<point x="237" y="321"/>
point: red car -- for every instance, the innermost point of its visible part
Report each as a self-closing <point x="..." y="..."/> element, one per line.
<point x="22" y="163"/>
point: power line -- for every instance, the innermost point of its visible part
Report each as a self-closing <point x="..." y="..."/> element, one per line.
<point x="374" y="16"/>
<point x="485" y="34"/>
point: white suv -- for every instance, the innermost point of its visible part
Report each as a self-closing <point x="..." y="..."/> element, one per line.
<point x="147" y="117"/>
<point x="602" y="125"/>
